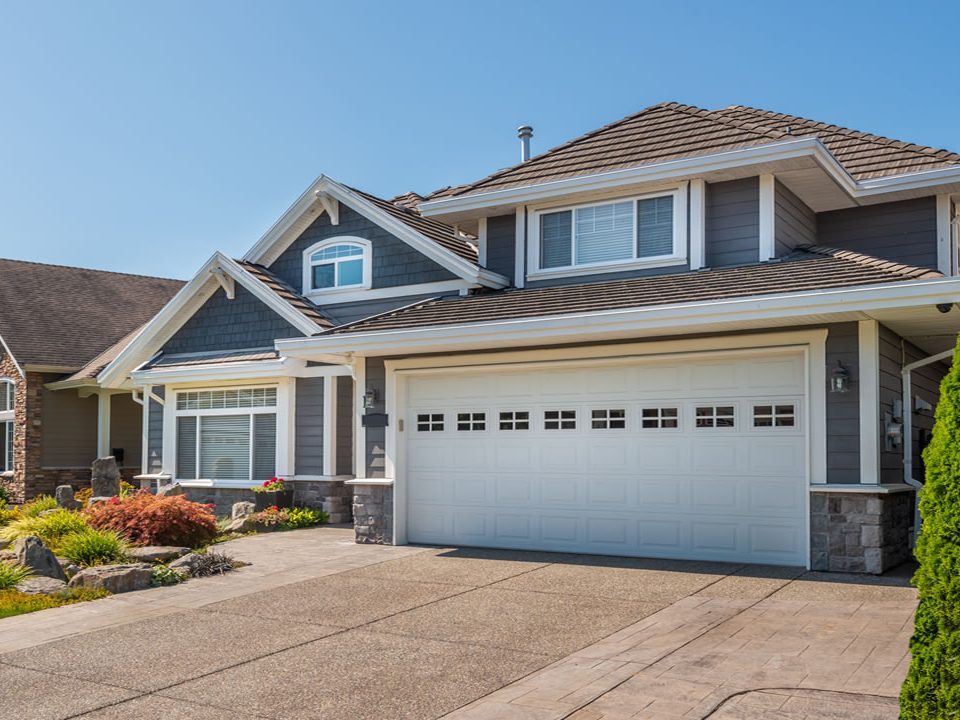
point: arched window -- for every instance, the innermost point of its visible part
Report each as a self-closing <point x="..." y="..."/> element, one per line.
<point x="339" y="263"/>
<point x="7" y="398"/>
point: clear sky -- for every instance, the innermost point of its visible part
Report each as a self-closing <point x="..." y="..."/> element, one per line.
<point x="141" y="137"/>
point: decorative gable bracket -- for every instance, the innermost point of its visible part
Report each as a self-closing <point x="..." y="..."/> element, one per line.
<point x="330" y="205"/>
<point x="226" y="282"/>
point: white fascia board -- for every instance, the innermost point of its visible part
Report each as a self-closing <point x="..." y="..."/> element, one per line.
<point x="279" y="237"/>
<point x="255" y="369"/>
<point x="182" y="306"/>
<point x="700" y="165"/>
<point x="6" y="350"/>
<point x="582" y="327"/>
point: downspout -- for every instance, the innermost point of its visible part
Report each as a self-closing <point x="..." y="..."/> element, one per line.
<point x="907" y="386"/>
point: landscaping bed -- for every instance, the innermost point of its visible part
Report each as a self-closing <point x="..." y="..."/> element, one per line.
<point x="57" y="551"/>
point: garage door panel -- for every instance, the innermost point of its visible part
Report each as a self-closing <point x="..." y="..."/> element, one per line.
<point x="734" y="494"/>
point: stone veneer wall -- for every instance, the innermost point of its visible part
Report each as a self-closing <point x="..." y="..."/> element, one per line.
<point x="332" y="497"/>
<point x="14" y="481"/>
<point x="860" y="532"/>
<point x="373" y="514"/>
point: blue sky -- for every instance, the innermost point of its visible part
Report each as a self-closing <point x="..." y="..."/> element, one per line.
<point x="142" y="137"/>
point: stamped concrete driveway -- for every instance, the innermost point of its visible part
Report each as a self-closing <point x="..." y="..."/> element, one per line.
<point x="473" y="634"/>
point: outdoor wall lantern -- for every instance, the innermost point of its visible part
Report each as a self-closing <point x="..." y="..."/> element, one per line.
<point x="369" y="399"/>
<point x="839" y="379"/>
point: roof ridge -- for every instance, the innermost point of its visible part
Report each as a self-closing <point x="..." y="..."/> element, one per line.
<point x="89" y="269"/>
<point x="880" y="140"/>
<point x="713" y="115"/>
<point x="871" y="261"/>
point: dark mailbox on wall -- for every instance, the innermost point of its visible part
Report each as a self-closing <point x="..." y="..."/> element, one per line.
<point x="375" y="420"/>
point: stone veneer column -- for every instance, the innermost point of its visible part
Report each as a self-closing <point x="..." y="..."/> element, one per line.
<point x="15" y="482"/>
<point x="860" y="532"/>
<point x="373" y="513"/>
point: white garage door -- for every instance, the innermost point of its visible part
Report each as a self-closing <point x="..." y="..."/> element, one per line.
<point x="701" y="457"/>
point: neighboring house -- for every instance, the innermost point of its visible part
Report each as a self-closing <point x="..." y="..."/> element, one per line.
<point x="57" y="323"/>
<point x="688" y="334"/>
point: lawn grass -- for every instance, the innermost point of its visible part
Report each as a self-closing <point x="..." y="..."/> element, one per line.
<point x="13" y="602"/>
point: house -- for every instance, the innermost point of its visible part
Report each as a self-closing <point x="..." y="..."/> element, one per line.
<point x="58" y="327"/>
<point x="708" y="334"/>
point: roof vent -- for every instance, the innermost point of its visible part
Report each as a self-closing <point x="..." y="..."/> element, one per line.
<point x="524" y="132"/>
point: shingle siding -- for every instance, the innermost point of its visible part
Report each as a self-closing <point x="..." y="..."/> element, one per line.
<point x="350" y="312"/>
<point x="155" y="433"/>
<point x="795" y="224"/>
<point x="376" y="437"/>
<point x="344" y="426"/>
<point x="395" y="263"/>
<point x="502" y="244"/>
<point x="224" y="324"/>
<point x="732" y="234"/>
<point x="843" y="409"/>
<point x="904" y="231"/>
<point x="308" y="450"/>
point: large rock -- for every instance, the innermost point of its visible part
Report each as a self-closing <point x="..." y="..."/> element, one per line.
<point x="105" y="477"/>
<point x="4" y="544"/>
<point x="241" y="510"/>
<point x="69" y="567"/>
<point x="39" y="585"/>
<point x="241" y="525"/>
<point x="94" y="500"/>
<point x="31" y="551"/>
<point x="157" y="553"/>
<point x="174" y="489"/>
<point x="66" y="498"/>
<point x="114" y="578"/>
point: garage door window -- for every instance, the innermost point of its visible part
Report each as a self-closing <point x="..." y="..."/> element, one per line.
<point x="560" y="420"/>
<point x="660" y="418"/>
<point x="515" y="420"/>
<point x="774" y="415"/>
<point x="430" y="422"/>
<point x="608" y="419"/>
<point x="715" y="416"/>
<point x="471" y="421"/>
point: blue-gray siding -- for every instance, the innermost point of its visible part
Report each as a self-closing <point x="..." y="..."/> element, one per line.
<point x="395" y="263"/>
<point x="843" y="409"/>
<point x="502" y="244"/>
<point x="224" y="324"/>
<point x="350" y="312"/>
<point x="732" y="232"/>
<point x="376" y="437"/>
<point x="308" y="450"/>
<point x="155" y="433"/>
<point x="904" y="231"/>
<point x="795" y="224"/>
<point x="344" y="426"/>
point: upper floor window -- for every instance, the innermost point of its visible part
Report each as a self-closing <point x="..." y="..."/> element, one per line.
<point x="337" y="263"/>
<point x="7" y="395"/>
<point x="642" y="230"/>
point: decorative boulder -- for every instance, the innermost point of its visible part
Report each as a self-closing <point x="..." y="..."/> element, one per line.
<point x="241" y="510"/>
<point x="4" y="544"/>
<point x="68" y="567"/>
<point x="66" y="498"/>
<point x="173" y="489"/>
<point x="31" y="551"/>
<point x="157" y="553"/>
<point x="105" y="477"/>
<point x="241" y="525"/>
<point x="114" y="578"/>
<point x="39" y="585"/>
<point x="94" y="500"/>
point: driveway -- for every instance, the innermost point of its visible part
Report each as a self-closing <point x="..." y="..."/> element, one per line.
<point x="370" y="632"/>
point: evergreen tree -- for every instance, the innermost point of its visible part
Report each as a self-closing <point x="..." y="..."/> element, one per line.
<point x="932" y="688"/>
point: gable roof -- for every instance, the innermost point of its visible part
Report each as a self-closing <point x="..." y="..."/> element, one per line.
<point x="63" y="317"/>
<point x="810" y="268"/>
<point x="670" y="131"/>
<point x="286" y="293"/>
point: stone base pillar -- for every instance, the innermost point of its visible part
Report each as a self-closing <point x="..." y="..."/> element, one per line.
<point x="860" y="532"/>
<point x="332" y="497"/>
<point x="373" y="513"/>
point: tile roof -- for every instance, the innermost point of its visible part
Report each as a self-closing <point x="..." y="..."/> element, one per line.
<point x="66" y="316"/>
<point x="286" y="293"/>
<point x="810" y="268"/>
<point x="670" y="131"/>
<point x="439" y="232"/>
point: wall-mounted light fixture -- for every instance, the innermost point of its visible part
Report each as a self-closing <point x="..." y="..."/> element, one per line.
<point x="839" y="379"/>
<point x="370" y="399"/>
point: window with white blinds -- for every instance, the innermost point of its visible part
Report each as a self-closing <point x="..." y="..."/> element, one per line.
<point x="636" y="229"/>
<point x="227" y="435"/>
<point x="7" y="395"/>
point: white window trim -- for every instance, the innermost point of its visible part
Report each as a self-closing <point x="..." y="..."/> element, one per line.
<point x="170" y="445"/>
<point x="677" y="257"/>
<point x="7" y="416"/>
<point x="367" y="257"/>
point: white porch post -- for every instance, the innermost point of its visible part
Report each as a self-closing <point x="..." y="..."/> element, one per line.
<point x="103" y="423"/>
<point x="145" y="430"/>
<point x="869" y="386"/>
<point x="330" y="425"/>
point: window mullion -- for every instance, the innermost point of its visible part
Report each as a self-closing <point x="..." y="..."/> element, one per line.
<point x="250" y="435"/>
<point x="196" y="432"/>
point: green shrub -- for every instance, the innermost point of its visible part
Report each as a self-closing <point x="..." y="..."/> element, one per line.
<point x="38" y="505"/>
<point x="146" y="519"/>
<point x="13" y="575"/>
<point x="305" y="517"/>
<point x="165" y="575"/>
<point x="932" y="687"/>
<point x="17" y="603"/>
<point x="50" y="528"/>
<point x="212" y="563"/>
<point x="90" y="547"/>
<point x="8" y="515"/>
<point x="4" y="494"/>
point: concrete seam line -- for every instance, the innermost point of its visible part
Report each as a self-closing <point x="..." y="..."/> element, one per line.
<point x="738" y="693"/>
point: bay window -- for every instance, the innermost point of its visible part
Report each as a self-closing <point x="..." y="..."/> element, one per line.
<point x="7" y="398"/>
<point x="228" y="435"/>
<point x="643" y="230"/>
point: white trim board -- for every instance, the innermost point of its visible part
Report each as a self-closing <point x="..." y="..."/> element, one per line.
<point x="868" y="343"/>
